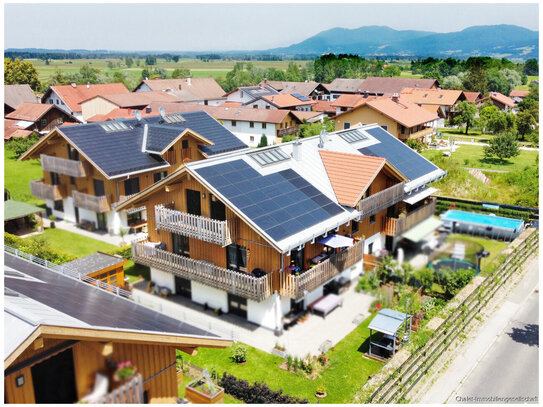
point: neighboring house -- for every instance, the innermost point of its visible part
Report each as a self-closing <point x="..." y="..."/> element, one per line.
<point x="39" y="117"/>
<point x="439" y="101"/>
<point x="69" y="97"/>
<point x="347" y="101"/>
<point x="499" y="100"/>
<point x="518" y="95"/>
<point x="11" y="130"/>
<point x="309" y="117"/>
<point x="104" y="104"/>
<point x="401" y="118"/>
<point x="104" y="267"/>
<point x="247" y="94"/>
<point x="247" y="124"/>
<point x="283" y="101"/>
<point x="64" y="339"/>
<point x="472" y="97"/>
<point x="325" y="107"/>
<point x="204" y="91"/>
<point x="14" y="95"/>
<point x="89" y="168"/>
<point x="311" y="89"/>
<point x="340" y="86"/>
<point x="263" y="214"/>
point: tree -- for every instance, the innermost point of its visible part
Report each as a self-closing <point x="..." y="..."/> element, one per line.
<point x="531" y="67"/>
<point x="128" y="62"/>
<point x="464" y="114"/>
<point x="392" y="71"/>
<point x="88" y="74"/>
<point x="175" y="58"/>
<point x="426" y="278"/>
<point x="452" y="82"/>
<point x="486" y="114"/>
<point x="525" y="123"/>
<point x="502" y="122"/>
<point x="150" y="60"/>
<point x="110" y="64"/>
<point x="119" y="77"/>
<point x="263" y="141"/>
<point x="293" y="73"/>
<point x="179" y="73"/>
<point x="145" y="74"/>
<point x="160" y="72"/>
<point x="503" y="146"/>
<point x="475" y="79"/>
<point x="20" y="72"/>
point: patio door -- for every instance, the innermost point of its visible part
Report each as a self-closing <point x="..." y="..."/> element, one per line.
<point x="237" y="305"/>
<point x="193" y="202"/>
<point x="54" y="379"/>
<point x="101" y="221"/>
<point x="183" y="287"/>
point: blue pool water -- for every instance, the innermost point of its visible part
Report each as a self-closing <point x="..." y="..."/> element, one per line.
<point x="480" y="219"/>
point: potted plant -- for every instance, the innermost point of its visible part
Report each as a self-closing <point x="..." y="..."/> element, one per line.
<point x="122" y="233"/>
<point x="52" y="218"/>
<point x="320" y="393"/>
<point x="125" y="371"/>
<point x="239" y="354"/>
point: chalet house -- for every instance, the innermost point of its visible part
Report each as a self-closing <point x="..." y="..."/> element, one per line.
<point x="69" y="97"/>
<point x="14" y="95"/>
<point x="439" y="101"/>
<point x="245" y="95"/>
<point x="324" y="107"/>
<point x="311" y="89"/>
<point x="104" y="104"/>
<point x="64" y="339"/>
<point x="88" y="169"/>
<point x="499" y="100"/>
<point x="203" y="91"/>
<point x="472" y="97"/>
<point x="38" y="117"/>
<point x="401" y="118"/>
<point x="518" y="95"/>
<point x="244" y="232"/>
<point x="283" y="101"/>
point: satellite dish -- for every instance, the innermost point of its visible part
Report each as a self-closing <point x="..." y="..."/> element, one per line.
<point x="161" y="111"/>
<point x="138" y="115"/>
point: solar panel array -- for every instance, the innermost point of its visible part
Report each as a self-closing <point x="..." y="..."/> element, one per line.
<point x="269" y="157"/>
<point x="115" y="126"/>
<point x="407" y="161"/>
<point x="353" y="136"/>
<point x="301" y="97"/>
<point x="281" y="204"/>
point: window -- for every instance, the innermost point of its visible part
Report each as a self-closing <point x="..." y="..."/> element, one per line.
<point x="346" y="125"/>
<point x="57" y="102"/>
<point x="268" y="107"/>
<point x="51" y="102"/>
<point x="73" y="154"/>
<point x="251" y="124"/>
<point x="233" y="123"/>
<point x="43" y="122"/>
<point x="205" y="102"/>
<point x="263" y="125"/>
<point x="72" y="180"/>
<point x="403" y="129"/>
<point x="193" y="202"/>
<point x="58" y="205"/>
<point x="255" y="106"/>
<point x="184" y="144"/>
<point x="236" y="258"/>
<point x="133" y="218"/>
<point x="157" y="176"/>
<point x="217" y="210"/>
<point x="55" y="179"/>
<point x="251" y="139"/>
<point x="354" y="227"/>
<point x="372" y="219"/>
<point x="60" y="120"/>
<point x="370" y="248"/>
<point x="180" y="245"/>
<point x="385" y="128"/>
<point x="131" y="186"/>
<point x="297" y="258"/>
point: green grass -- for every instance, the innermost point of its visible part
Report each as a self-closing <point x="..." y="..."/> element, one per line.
<point x="527" y="86"/>
<point x="17" y="175"/>
<point x="73" y="243"/>
<point x="494" y="247"/>
<point x="348" y="370"/>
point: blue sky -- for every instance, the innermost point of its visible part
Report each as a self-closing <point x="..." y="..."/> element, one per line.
<point x="220" y="27"/>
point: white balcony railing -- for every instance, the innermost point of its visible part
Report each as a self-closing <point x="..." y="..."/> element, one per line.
<point x="64" y="166"/>
<point x="381" y="200"/>
<point x="197" y="227"/>
<point x="93" y="203"/>
<point x="130" y="392"/>
<point x="244" y="285"/>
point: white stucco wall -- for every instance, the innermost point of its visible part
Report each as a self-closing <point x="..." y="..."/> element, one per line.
<point x="143" y="88"/>
<point x="163" y="279"/>
<point x="54" y="99"/>
<point x="261" y="104"/>
<point x="313" y="296"/>
<point x="262" y="313"/>
<point x="85" y="214"/>
<point x="69" y="209"/>
<point x="213" y="297"/>
<point x="378" y="241"/>
<point x="239" y="96"/>
<point x="115" y="220"/>
<point x="244" y="131"/>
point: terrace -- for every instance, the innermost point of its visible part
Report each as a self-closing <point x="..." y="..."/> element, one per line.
<point x="381" y="200"/>
<point x="46" y="191"/>
<point x="64" y="166"/>
<point x="397" y="226"/>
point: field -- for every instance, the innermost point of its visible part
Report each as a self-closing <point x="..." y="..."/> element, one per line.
<point x="527" y="87"/>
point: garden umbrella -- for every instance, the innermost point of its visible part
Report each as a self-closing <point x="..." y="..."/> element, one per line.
<point x="336" y="241"/>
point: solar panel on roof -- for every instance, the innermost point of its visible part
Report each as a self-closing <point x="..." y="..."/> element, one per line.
<point x="269" y="157"/>
<point x="407" y="161"/>
<point x="301" y="97"/>
<point x="281" y="204"/>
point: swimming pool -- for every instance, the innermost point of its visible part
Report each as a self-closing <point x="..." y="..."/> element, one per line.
<point x="496" y="227"/>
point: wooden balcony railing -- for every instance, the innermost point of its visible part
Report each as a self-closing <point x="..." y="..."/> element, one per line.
<point x="64" y="166"/>
<point x="130" y="392"/>
<point x="418" y="134"/>
<point x="93" y="203"/>
<point x="294" y="286"/>
<point x="287" y="131"/>
<point x="122" y="198"/>
<point x="197" y="227"/>
<point x="397" y="226"/>
<point x="244" y="285"/>
<point x="381" y="200"/>
<point x="46" y="191"/>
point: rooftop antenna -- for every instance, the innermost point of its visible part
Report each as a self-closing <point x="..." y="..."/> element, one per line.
<point x="162" y="112"/>
<point x="322" y="136"/>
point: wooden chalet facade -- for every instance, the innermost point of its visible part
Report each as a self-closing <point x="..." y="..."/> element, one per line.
<point x="38" y="117"/>
<point x="84" y="182"/>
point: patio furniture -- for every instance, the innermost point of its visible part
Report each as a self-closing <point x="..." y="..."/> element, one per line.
<point x="319" y="258"/>
<point x="101" y="384"/>
<point x="329" y="303"/>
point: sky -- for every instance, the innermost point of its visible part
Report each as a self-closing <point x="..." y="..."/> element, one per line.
<point x="223" y="27"/>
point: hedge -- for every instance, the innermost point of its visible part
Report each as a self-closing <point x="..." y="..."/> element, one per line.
<point x="443" y="205"/>
<point x="258" y="393"/>
<point x="37" y="247"/>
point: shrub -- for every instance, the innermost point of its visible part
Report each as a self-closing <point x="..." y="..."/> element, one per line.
<point x="288" y="138"/>
<point x="289" y="362"/>
<point x="263" y="141"/>
<point x="125" y="252"/>
<point x="239" y="353"/>
<point x="369" y="281"/>
<point x="258" y="393"/>
<point x="19" y="145"/>
<point x="37" y="247"/>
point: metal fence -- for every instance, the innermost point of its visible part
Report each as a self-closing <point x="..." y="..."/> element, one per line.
<point x="67" y="272"/>
<point x="400" y="383"/>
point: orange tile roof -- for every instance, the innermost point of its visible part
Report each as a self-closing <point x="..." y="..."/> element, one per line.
<point x="406" y="113"/>
<point x="519" y="93"/>
<point x="286" y="100"/>
<point x="120" y="113"/>
<point x="471" y="96"/>
<point x="30" y="111"/>
<point x="188" y="89"/>
<point x="10" y="130"/>
<point x="74" y="96"/>
<point x="350" y="101"/>
<point x="302" y="115"/>
<point x="133" y="99"/>
<point x="350" y="174"/>
<point x="501" y="98"/>
<point x="444" y="97"/>
<point x="323" y="106"/>
<point x="231" y="104"/>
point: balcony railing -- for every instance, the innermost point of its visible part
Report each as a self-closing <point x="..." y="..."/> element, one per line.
<point x="93" y="203"/>
<point x="294" y="286"/>
<point x="397" y="226"/>
<point x="198" y="227"/>
<point x="46" y="191"/>
<point x="287" y="131"/>
<point x="64" y="166"/>
<point x="418" y="134"/>
<point x="122" y="198"/>
<point x="244" y="285"/>
<point x="130" y="392"/>
<point x="381" y="200"/>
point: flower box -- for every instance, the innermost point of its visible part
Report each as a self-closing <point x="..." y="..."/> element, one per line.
<point x="198" y="392"/>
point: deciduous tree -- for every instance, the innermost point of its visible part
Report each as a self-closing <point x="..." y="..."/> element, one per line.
<point x="503" y="146"/>
<point x="464" y="114"/>
<point x="20" y="72"/>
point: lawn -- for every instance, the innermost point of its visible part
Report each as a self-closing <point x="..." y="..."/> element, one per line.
<point x="73" y="243"/>
<point x="347" y="371"/>
<point x="527" y="86"/>
<point x="494" y="247"/>
<point x="17" y="175"/>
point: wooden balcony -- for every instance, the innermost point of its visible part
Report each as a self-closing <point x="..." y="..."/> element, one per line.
<point x="93" y="203"/>
<point x="287" y="131"/>
<point x="122" y="198"/>
<point x="381" y="200"/>
<point x="244" y="285"/>
<point x="418" y="134"/>
<point x="294" y="286"/>
<point x="397" y="226"/>
<point x="64" y="166"/>
<point x="130" y="392"/>
<point x="46" y="191"/>
<point x="197" y="227"/>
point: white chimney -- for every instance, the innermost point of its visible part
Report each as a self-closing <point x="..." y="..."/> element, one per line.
<point x="395" y="97"/>
<point x="74" y="85"/>
<point x="88" y="85"/>
<point x="297" y="150"/>
<point x="188" y="81"/>
<point x="323" y="137"/>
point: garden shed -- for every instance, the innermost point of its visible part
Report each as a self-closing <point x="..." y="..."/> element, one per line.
<point x="395" y="327"/>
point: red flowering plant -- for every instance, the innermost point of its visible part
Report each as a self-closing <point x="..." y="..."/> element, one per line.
<point x="125" y="370"/>
<point x="322" y="359"/>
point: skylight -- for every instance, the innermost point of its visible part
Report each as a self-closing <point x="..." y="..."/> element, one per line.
<point x="269" y="157"/>
<point x="113" y="126"/>
<point x="174" y="118"/>
<point x="353" y="136"/>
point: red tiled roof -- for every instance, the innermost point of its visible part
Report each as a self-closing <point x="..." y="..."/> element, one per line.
<point x="501" y="98"/>
<point x="388" y="86"/>
<point x="350" y="101"/>
<point x="286" y="100"/>
<point x="519" y="93"/>
<point x="10" y="130"/>
<point x="199" y="88"/>
<point x="73" y="96"/>
<point x="444" y="97"/>
<point x="471" y="96"/>
<point x="120" y="113"/>
<point x="323" y="106"/>
<point x="404" y="112"/>
<point x="31" y="112"/>
<point x="133" y="99"/>
<point x="350" y="174"/>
